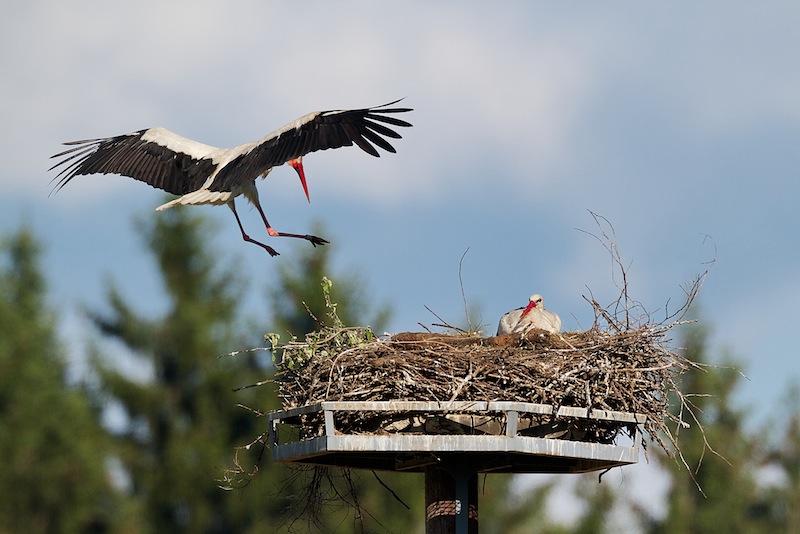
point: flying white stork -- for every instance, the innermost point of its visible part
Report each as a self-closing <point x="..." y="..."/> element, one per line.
<point x="204" y="174"/>
<point x="533" y="315"/>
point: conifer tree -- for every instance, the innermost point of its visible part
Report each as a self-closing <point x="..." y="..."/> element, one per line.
<point x="297" y="293"/>
<point x="54" y="476"/>
<point x="778" y="507"/>
<point x="184" y="423"/>
<point x="599" y="499"/>
<point x="506" y="510"/>
<point x="719" y="493"/>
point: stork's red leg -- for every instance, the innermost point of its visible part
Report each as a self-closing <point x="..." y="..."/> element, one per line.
<point x="274" y="233"/>
<point x="272" y="251"/>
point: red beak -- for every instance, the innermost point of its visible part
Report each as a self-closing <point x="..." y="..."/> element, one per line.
<point x="297" y="164"/>
<point x="531" y="305"/>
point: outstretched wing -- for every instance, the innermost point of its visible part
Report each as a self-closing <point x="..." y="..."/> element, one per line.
<point x="316" y="131"/>
<point x="156" y="156"/>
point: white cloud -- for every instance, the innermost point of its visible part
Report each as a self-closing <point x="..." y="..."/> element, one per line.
<point x="489" y="85"/>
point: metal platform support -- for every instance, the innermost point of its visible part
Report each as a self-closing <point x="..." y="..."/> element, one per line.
<point x="467" y="438"/>
<point x="451" y="500"/>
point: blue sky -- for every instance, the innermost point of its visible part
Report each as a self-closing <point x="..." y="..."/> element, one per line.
<point x="674" y="121"/>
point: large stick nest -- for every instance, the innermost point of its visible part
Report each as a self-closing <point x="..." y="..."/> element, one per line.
<point x="624" y="362"/>
<point x="628" y="370"/>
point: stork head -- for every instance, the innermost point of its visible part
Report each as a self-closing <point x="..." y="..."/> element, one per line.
<point x="536" y="301"/>
<point x="297" y="164"/>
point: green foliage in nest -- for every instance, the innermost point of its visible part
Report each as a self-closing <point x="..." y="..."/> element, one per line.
<point x="296" y="355"/>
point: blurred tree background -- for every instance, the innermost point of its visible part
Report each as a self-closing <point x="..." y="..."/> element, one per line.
<point x="52" y="448"/>
<point x="164" y="468"/>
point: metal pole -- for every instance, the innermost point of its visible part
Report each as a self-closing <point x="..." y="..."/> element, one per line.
<point x="461" y="478"/>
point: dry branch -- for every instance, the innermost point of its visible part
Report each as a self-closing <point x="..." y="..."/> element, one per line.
<point x="624" y="362"/>
<point x="616" y="369"/>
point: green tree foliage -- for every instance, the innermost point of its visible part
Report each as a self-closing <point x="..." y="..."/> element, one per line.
<point x="778" y="507"/>
<point x="297" y="293"/>
<point x="54" y="476"/>
<point x="184" y="423"/>
<point x="504" y="510"/>
<point x="599" y="500"/>
<point x="787" y="455"/>
<point x="721" y="455"/>
<point x="512" y="511"/>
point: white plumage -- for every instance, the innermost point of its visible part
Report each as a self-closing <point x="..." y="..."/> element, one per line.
<point x="203" y="174"/>
<point x="534" y="315"/>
